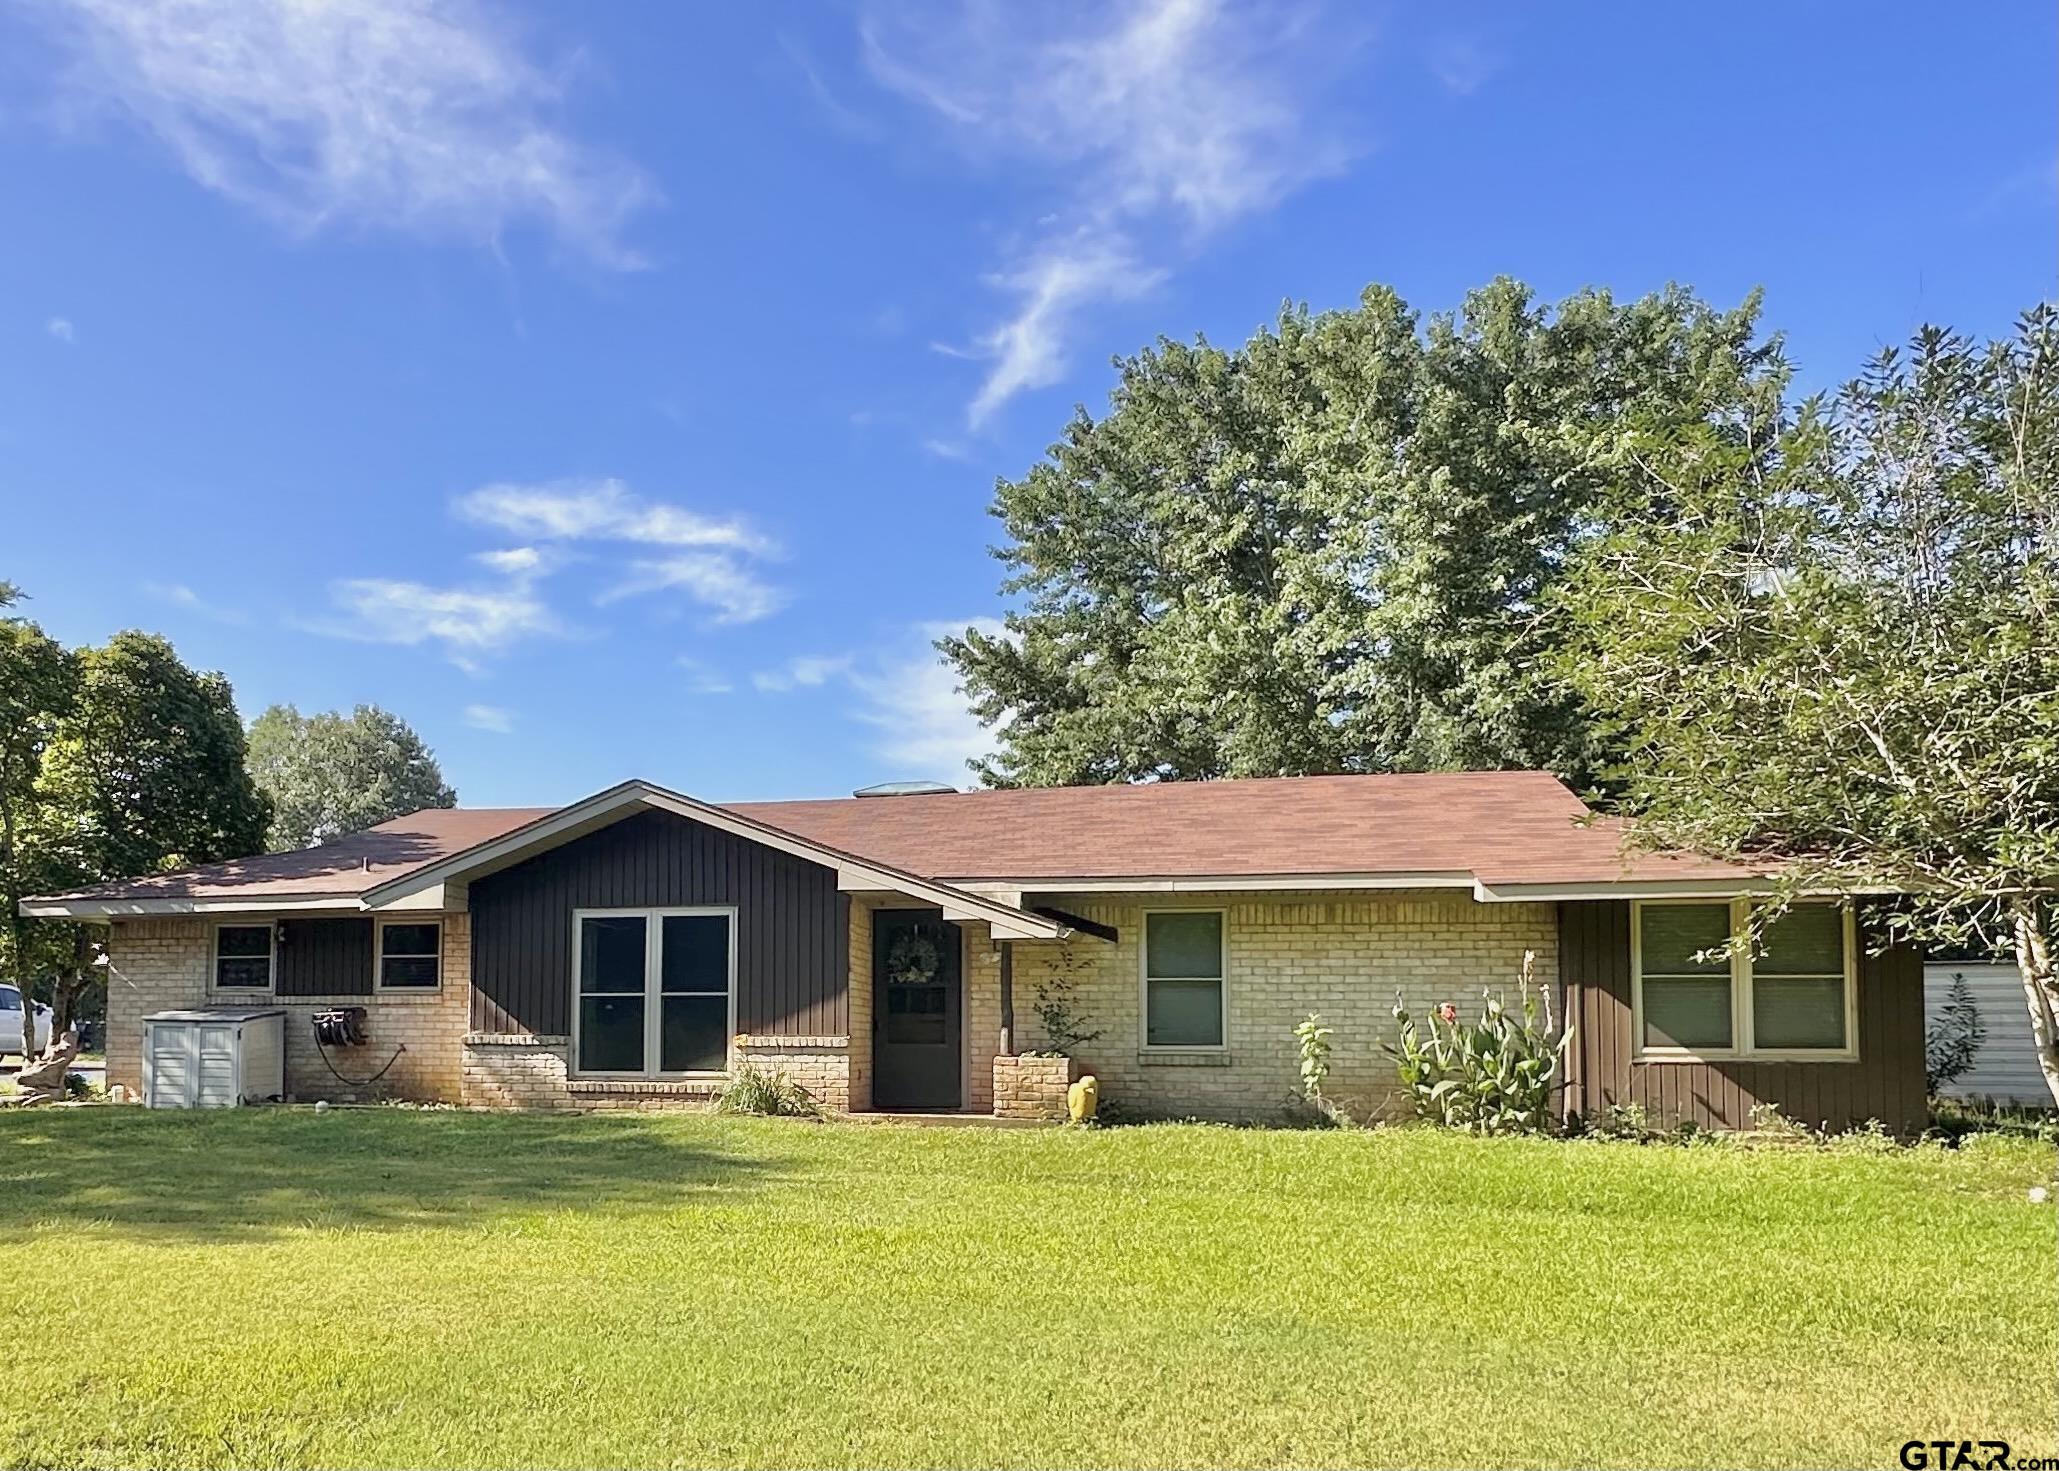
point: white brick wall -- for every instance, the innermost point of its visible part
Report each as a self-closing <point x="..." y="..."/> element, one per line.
<point x="860" y="1086"/>
<point x="159" y="964"/>
<point x="1343" y="955"/>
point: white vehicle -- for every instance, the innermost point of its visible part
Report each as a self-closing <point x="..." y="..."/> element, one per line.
<point x="10" y="1021"/>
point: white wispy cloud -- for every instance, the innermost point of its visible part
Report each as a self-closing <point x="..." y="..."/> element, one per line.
<point x="1151" y="118"/>
<point x="1028" y="349"/>
<point x="179" y="595"/>
<point x="1463" y="64"/>
<point x="733" y="591"/>
<point x="711" y="559"/>
<point x="904" y="692"/>
<point x="809" y="671"/>
<point x="601" y="510"/>
<point x="419" y="117"/>
<point x="514" y="561"/>
<point x="490" y="717"/>
<point x="61" y="329"/>
<point x="704" y="679"/>
<point x="465" y="622"/>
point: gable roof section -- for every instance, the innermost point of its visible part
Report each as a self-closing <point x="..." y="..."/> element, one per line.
<point x="1502" y="835"/>
<point x="603" y="808"/>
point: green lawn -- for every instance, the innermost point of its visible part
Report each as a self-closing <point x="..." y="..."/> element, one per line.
<point x="416" y="1288"/>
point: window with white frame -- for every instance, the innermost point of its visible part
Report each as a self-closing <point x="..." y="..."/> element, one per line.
<point x="1792" y="995"/>
<point x="1184" y="1002"/>
<point x="410" y="955"/>
<point x="653" y="991"/>
<point x="244" y="956"/>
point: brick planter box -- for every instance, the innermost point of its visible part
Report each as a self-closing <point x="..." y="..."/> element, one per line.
<point x="1032" y="1087"/>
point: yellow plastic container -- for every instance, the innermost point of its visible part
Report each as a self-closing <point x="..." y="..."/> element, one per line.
<point x="1082" y="1099"/>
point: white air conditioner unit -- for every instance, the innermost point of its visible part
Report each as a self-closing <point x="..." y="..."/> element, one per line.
<point x="214" y="1057"/>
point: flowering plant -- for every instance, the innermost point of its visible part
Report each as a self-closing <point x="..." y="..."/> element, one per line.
<point x="1495" y="1077"/>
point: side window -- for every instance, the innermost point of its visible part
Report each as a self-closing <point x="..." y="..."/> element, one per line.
<point x="243" y="957"/>
<point x="410" y="956"/>
<point x="1183" y="978"/>
<point x="1687" y="1000"/>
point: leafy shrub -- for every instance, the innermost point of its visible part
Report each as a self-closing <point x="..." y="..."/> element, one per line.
<point x="1954" y="1039"/>
<point x="753" y="1090"/>
<point x="1057" y="1003"/>
<point x="1771" y="1122"/>
<point x="1870" y="1137"/>
<point x="1622" y="1121"/>
<point x="1312" y="1041"/>
<point x="1954" y="1121"/>
<point x="1494" y="1077"/>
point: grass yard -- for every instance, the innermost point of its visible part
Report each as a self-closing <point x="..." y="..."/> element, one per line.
<point x="385" y="1287"/>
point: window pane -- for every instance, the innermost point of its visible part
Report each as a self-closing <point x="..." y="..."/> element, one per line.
<point x="1670" y="935"/>
<point x="409" y="939"/>
<point x="1687" y="1013"/>
<point x="243" y="939"/>
<point x="408" y="970"/>
<point x="611" y="954"/>
<point x="918" y="1014"/>
<point x="1808" y="940"/>
<point x="696" y="956"/>
<point x="243" y="973"/>
<point x="1185" y="1014"/>
<point x="696" y="1034"/>
<point x="1183" y="944"/>
<point x="1808" y="1013"/>
<point x="611" y="1034"/>
<point x="10" y="999"/>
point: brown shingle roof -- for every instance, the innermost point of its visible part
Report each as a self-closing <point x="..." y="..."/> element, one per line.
<point x="347" y="866"/>
<point x="1510" y="827"/>
<point x="1498" y="827"/>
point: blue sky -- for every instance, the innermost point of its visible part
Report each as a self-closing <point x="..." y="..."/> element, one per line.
<point x="619" y="390"/>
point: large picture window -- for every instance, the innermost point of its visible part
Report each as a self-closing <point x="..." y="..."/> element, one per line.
<point x="1183" y="978"/>
<point x="243" y="955"/>
<point x="653" y="991"/>
<point x="1794" y="997"/>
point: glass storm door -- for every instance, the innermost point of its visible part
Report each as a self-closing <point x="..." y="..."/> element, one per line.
<point x="917" y="1011"/>
<point x="653" y="990"/>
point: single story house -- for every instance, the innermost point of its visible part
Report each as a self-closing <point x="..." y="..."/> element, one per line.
<point x="884" y="950"/>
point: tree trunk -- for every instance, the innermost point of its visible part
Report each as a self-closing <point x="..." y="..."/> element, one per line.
<point x="66" y="989"/>
<point x="2035" y="963"/>
<point x="17" y="927"/>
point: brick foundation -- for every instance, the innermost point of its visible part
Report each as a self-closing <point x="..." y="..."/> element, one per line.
<point x="822" y="1065"/>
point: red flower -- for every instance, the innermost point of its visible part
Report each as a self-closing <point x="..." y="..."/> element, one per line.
<point x="1447" y="1013"/>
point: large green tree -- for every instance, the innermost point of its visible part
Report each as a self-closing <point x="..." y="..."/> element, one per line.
<point x="38" y="680"/>
<point x="142" y="771"/>
<point x="1830" y="640"/>
<point x="1325" y="550"/>
<point x="329" y="774"/>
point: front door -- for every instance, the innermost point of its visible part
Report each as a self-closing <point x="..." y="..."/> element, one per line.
<point x="918" y="1007"/>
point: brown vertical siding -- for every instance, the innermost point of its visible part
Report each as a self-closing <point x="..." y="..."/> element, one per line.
<point x="1886" y="1083"/>
<point x="325" y="957"/>
<point x="792" y="948"/>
